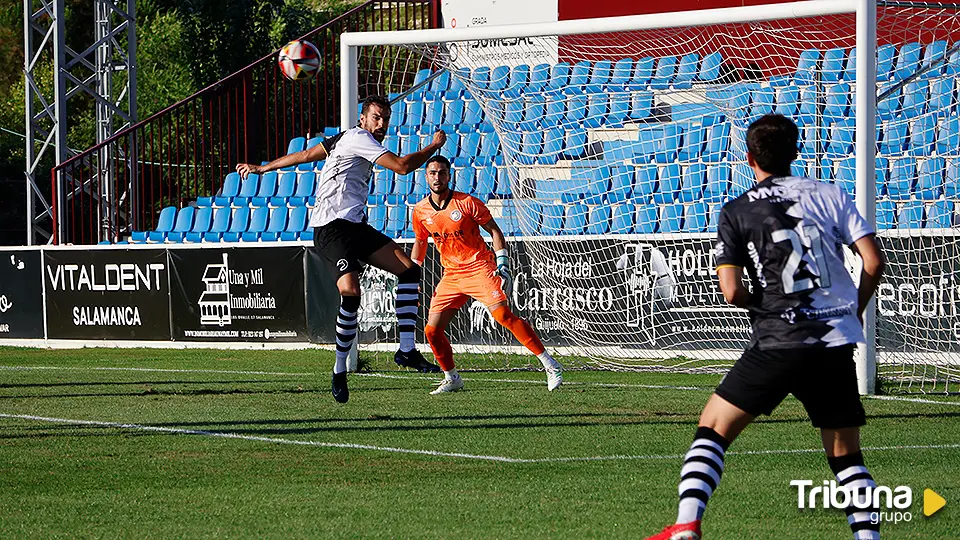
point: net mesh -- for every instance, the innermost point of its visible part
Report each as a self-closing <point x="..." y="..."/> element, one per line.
<point x="606" y="158"/>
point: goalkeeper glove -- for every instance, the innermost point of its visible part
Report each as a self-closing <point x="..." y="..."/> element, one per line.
<point x="503" y="270"/>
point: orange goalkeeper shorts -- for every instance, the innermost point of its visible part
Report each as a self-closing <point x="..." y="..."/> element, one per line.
<point x="456" y="288"/>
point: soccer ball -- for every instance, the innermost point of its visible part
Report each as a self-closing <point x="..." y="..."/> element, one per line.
<point x="299" y="60"/>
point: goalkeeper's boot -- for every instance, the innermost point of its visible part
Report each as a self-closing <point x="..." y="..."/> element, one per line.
<point x="554" y="378"/>
<point x="449" y="385"/>
<point x="339" y="387"/>
<point x="415" y="360"/>
<point x="683" y="531"/>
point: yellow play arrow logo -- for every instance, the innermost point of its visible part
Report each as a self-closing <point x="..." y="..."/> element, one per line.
<point x="932" y="502"/>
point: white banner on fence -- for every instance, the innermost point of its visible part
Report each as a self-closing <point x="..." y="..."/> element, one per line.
<point x="501" y="52"/>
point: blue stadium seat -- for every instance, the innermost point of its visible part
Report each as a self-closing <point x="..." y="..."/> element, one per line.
<point x="486" y="181"/>
<point x="894" y="139"/>
<point x="599" y="77"/>
<point x="553" y="141"/>
<point x="296" y="144"/>
<point x="718" y="141"/>
<point x="621" y="75"/>
<point x="229" y="190"/>
<point x="539" y="76"/>
<point x="644" y="183"/>
<point x="908" y="61"/>
<point x="686" y="71"/>
<point x="646" y="220"/>
<point x="490" y="145"/>
<point x="576" y="109"/>
<point x="377" y="216"/>
<point x="472" y="113"/>
<point x="296" y="223"/>
<point x="693" y="142"/>
<point x="258" y="224"/>
<point x="597" y="109"/>
<point x="579" y="77"/>
<point x="930" y="178"/>
<point x="943" y="97"/>
<point x="692" y="185"/>
<point x="421" y="76"/>
<point x="840" y="141"/>
<point x="621" y="221"/>
<point x="504" y="186"/>
<point x="762" y="101"/>
<point x="182" y="225"/>
<point x="642" y="73"/>
<point x="641" y="105"/>
<point x="574" y="146"/>
<point x="248" y="190"/>
<point x="438" y="86"/>
<point x="890" y="106"/>
<point x="915" y="95"/>
<point x="886" y="215"/>
<point x="457" y="90"/>
<point x="396" y="220"/>
<point x="666" y="71"/>
<point x="559" y="77"/>
<point x="464" y="180"/>
<point x="718" y="182"/>
<point x="910" y="215"/>
<point x="738" y="144"/>
<point x="741" y="180"/>
<point x="552" y="220"/>
<point x="165" y="224"/>
<point x="808" y="112"/>
<point x="383" y="183"/>
<point x="621" y="185"/>
<point x="452" y="146"/>
<point x="837" y="105"/>
<point x="710" y="67"/>
<point x="598" y="220"/>
<point x="469" y="145"/>
<point x="529" y="214"/>
<point x="398" y="113"/>
<point x="902" y="178"/>
<point x="671" y="218"/>
<point x="420" y="187"/>
<point x="433" y="114"/>
<point x="307" y="235"/>
<point x="923" y="136"/>
<point x="669" y="144"/>
<point x="454" y="113"/>
<point x="669" y="184"/>
<point x="833" y="66"/>
<point x="238" y="224"/>
<point x="266" y="190"/>
<point x="276" y="224"/>
<point x="285" y="189"/>
<point x="788" y="101"/>
<point x="481" y="78"/>
<point x="201" y="224"/>
<point x="306" y="184"/>
<point x="713" y="218"/>
<point x="575" y="219"/>
<point x="695" y="217"/>
<point x="534" y="112"/>
<point x="846" y="175"/>
<point x="596" y="182"/>
<point x="952" y="69"/>
<point x="416" y="113"/>
<point x="499" y="78"/>
<point x="940" y="215"/>
<point x="948" y="137"/>
<point x="507" y="221"/>
<point x="619" y="109"/>
<point x="886" y="54"/>
<point x="805" y="72"/>
<point x="951" y="182"/>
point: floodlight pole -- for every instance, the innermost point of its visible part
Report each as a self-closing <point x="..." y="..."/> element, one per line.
<point x="866" y="148"/>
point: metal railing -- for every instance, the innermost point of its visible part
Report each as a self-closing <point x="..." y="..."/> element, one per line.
<point x="185" y="151"/>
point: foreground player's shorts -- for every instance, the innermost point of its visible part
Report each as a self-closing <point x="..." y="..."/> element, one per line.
<point x="455" y="289"/>
<point x="344" y="244"/>
<point x="823" y="379"/>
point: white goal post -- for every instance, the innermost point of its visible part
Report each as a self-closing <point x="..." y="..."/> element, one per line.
<point x="864" y="140"/>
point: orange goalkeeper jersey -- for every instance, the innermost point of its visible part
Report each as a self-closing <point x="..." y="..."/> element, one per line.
<point x="455" y="229"/>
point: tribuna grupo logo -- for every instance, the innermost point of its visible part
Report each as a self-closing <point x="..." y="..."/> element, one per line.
<point x="896" y="501"/>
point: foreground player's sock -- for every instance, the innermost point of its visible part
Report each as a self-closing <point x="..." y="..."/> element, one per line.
<point x="853" y="474"/>
<point x="408" y="303"/>
<point x="440" y="345"/>
<point x="346" y="330"/>
<point x="702" y="469"/>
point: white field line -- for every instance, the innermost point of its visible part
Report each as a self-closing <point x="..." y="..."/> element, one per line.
<point x="435" y="453"/>
<point x="156" y="370"/>
<point x="914" y="400"/>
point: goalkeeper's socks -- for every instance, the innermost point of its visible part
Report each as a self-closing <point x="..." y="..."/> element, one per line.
<point x="853" y="474"/>
<point x="548" y="361"/>
<point x="451" y="375"/>
<point x="702" y="469"/>
<point x="520" y="329"/>
<point x="346" y="330"/>
<point x="408" y="304"/>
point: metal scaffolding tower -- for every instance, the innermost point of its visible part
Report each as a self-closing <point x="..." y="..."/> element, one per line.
<point x="104" y="71"/>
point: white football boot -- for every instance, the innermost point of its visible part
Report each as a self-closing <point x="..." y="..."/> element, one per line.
<point x="449" y="385"/>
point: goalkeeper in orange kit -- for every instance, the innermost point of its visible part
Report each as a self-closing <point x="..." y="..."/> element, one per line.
<point x="453" y="220"/>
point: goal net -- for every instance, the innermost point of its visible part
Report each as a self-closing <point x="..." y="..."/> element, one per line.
<point x="606" y="154"/>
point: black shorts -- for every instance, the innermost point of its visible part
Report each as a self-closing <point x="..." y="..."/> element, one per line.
<point x="823" y="379"/>
<point x="346" y="244"/>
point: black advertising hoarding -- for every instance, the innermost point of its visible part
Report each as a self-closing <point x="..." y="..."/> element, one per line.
<point x="649" y="294"/>
<point x="21" y="295"/>
<point x="107" y="294"/>
<point x="238" y="294"/>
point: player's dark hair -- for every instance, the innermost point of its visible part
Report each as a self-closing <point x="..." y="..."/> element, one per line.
<point x="438" y="159"/>
<point x="379" y="101"/>
<point x="772" y="141"/>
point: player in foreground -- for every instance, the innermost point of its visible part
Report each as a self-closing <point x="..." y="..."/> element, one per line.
<point x="453" y="220"/>
<point x="805" y="314"/>
<point x="343" y="236"/>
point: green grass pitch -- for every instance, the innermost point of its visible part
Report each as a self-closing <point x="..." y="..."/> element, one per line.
<point x="105" y="443"/>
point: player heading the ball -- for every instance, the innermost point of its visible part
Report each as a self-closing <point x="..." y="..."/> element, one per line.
<point x="345" y="239"/>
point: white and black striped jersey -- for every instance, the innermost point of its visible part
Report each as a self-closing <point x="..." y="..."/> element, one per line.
<point x="789" y="234"/>
<point x="344" y="180"/>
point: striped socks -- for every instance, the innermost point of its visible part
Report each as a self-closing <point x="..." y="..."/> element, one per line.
<point x="853" y="474"/>
<point x="702" y="469"/>
<point x="408" y="304"/>
<point x="346" y="330"/>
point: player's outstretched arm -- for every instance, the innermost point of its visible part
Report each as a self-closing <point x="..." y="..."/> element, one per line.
<point x="731" y="283"/>
<point x="317" y="153"/>
<point x="411" y="162"/>
<point x="873" y="265"/>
